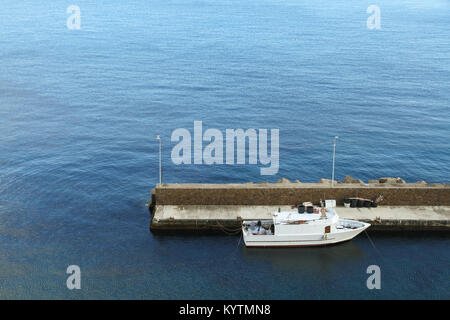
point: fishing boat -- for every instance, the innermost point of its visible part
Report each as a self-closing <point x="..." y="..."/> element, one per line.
<point x="317" y="226"/>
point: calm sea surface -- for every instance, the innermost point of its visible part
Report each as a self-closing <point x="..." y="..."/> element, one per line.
<point x="80" y="110"/>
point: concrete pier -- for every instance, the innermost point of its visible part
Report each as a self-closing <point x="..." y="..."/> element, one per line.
<point x="212" y="217"/>
<point x="223" y="206"/>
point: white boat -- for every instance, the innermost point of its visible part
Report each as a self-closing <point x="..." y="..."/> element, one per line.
<point x="293" y="229"/>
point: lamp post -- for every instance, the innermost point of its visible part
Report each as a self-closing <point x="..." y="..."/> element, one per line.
<point x="334" y="154"/>
<point x="160" y="167"/>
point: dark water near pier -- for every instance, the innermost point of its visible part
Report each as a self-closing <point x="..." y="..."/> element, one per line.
<point x="79" y="112"/>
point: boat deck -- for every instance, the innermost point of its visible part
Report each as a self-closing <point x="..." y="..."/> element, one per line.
<point x="292" y="216"/>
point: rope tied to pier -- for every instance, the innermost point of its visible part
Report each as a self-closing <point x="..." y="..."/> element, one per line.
<point x="239" y="242"/>
<point x="373" y="244"/>
<point x="229" y="230"/>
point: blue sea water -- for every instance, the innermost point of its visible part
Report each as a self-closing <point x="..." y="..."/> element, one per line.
<point x="80" y="110"/>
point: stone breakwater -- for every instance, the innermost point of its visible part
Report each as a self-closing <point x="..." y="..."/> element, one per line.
<point x="418" y="206"/>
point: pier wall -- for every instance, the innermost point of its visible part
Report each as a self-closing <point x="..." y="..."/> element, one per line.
<point x="292" y="195"/>
<point x="394" y="218"/>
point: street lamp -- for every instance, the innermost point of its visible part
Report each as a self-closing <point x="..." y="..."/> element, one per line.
<point x="334" y="153"/>
<point x="160" y="167"/>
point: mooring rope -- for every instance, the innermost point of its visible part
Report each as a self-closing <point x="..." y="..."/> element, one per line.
<point x="373" y="244"/>
<point x="229" y="230"/>
<point x="239" y="242"/>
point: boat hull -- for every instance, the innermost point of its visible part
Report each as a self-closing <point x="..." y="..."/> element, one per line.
<point x="306" y="240"/>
